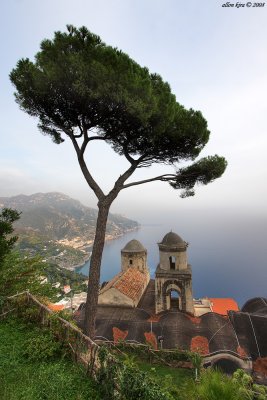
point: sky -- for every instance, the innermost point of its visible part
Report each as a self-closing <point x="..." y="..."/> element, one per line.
<point x="215" y="60"/>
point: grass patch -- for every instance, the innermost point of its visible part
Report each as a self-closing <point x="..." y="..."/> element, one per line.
<point x="31" y="372"/>
<point x="179" y="376"/>
<point x="176" y="381"/>
<point x="157" y="371"/>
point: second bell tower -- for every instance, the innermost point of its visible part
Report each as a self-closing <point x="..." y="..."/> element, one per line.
<point x="173" y="274"/>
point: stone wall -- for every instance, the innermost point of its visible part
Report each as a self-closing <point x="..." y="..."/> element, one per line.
<point x="113" y="297"/>
<point x="134" y="260"/>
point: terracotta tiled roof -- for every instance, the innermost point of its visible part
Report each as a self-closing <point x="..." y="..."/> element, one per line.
<point x="221" y="306"/>
<point x="55" y="307"/>
<point x="111" y="283"/>
<point x="130" y="282"/>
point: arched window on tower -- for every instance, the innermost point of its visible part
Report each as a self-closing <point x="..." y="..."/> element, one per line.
<point x="174" y="299"/>
<point x="172" y="262"/>
<point x="131" y="262"/>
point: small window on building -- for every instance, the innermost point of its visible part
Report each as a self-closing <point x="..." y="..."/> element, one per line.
<point x="131" y="262"/>
<point x="172" y="262"/>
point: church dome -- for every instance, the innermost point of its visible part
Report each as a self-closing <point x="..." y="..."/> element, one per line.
<point x="172" y="242"/>
<point x="134" y="246"/>
<point x="172" y="239"/>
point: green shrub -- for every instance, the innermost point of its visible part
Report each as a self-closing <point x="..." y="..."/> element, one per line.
<point x="214" y="385"/>
<point x="169" y="386"/>
<point x="259" y="389"/>
<point x="252" y="391"/>
<point x="30" y="314"/>
<point x="120" y="381"/>
<point x="42" y="347"/>
<point x="135" y="385"/>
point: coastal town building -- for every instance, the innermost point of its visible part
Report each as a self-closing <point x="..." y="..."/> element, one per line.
<point x="127" y="287"/>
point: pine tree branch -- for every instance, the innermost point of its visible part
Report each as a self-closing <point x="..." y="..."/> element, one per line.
<point x="78" y="136"/>
<point x="84" y="145"/>
<point x="127" y="155"/>
<point x="97" y="138"/>
<point x="163" y="178"/>
<point x="88" y="177"/>
<point x="120" y="181"/>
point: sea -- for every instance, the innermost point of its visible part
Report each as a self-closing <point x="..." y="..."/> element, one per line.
<point x="228" y="254"/>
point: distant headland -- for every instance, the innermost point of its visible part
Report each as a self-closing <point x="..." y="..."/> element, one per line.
<point x="60" y="229"/>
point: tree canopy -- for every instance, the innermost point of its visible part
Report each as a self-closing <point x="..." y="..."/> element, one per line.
<point x="7" y="217"/>
<point x="78" y="85"/>
<point x="80" y="88"/>
<point x="18" y="273"/>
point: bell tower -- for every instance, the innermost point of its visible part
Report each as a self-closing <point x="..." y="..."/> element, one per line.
<point x="173" y="275"/>
<point x="134" y="255"/>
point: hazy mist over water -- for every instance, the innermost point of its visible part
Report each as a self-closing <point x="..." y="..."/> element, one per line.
<point x="227" y="252"/>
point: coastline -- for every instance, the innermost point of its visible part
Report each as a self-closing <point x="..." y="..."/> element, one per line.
<point x="74" y="267"/>
<point x="107" y="239"/>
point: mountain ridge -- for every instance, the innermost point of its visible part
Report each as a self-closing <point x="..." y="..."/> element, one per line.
<point x="59" y="228"/>
<point x="59" y="216"/>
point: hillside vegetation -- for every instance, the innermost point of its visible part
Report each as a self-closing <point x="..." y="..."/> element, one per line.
<point x="33" y="366"/>
<point x="58" y="216"/>
<point x="58" y="228"/>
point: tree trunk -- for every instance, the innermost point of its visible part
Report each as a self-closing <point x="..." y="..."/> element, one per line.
<point x="94" y="273"/>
